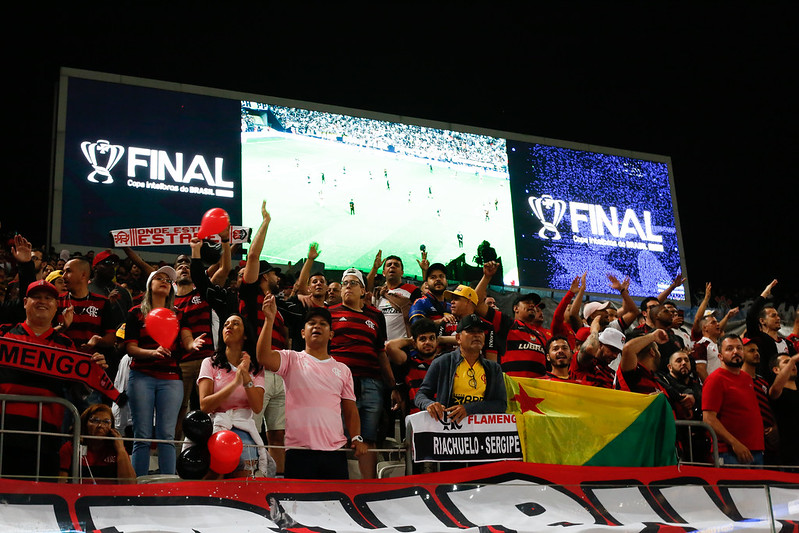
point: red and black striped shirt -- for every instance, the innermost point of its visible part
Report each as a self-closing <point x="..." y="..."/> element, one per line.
<point x="91" y="317"/>
<point x="197" y="316"/>
<point x="417" y="370"/>
<point x="14" y="381"/>
<point x="358" y="337"/>
<point x="521" y="350"/>
<point x="136" y="331"/>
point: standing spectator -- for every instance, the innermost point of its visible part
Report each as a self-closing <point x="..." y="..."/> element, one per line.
<point x="705" y="353"/>
<point x="432" y="305"/>
<point x="105" y="267"/>
<point x="770" y="433"/>
<point x="687" y="405"/>
<point x="559" y="356"/>
<point x="92" y="325"/>
<point x="359" y="337"/>
<point x="394" y="298"/>
<point x="763" y="326"/>
<point x="154" y="387"/>
<point x="729" y="406"/>
<point x="319" y="395"/>
<point x="785" y="398"/>
<point x="591" y="365"/>
<point x="640" y="359"/>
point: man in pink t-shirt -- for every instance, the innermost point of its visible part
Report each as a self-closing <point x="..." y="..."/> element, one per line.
<point x="319" y="391"/>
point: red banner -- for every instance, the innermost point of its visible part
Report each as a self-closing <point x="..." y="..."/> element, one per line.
<point x="499" y="497"/>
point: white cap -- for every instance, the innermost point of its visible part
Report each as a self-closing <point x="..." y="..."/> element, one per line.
<point x="612" y="337"/>
<point x="352" y="271"/>
<point x="168" y="270"/>
<point x="592" y="307"/>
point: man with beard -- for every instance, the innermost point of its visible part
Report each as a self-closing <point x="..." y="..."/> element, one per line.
<point x="591" y="365"/>
<point x="559" y="355"/>
<point x="640" y="359"/>
<point x="770" y="433"/>
<point x="686" y="404"/>
<point x="393" y="298"/>
<point x="432" y="305"/>
<point x="729" y="406"/>
<point x="662" y="317"/>
<point x="785" y="398"/>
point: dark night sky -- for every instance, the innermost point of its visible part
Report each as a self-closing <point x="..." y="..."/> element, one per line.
<point x="712" y="86"/>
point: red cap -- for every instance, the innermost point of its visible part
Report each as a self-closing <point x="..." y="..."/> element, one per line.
<point x="42" y="285"/>
<point x="746" y="340"/>
<point x="583" y="333"/>
<point x="102" y="256"/>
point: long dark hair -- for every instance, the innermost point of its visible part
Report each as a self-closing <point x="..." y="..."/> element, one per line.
<point x="219" y="359"/>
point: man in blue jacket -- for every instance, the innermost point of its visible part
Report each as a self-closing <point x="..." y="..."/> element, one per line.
<point x="462" y="382"/>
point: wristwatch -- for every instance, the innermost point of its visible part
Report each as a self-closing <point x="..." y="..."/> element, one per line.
<point x="357" y="438"/>
<point x="249" y="385"/>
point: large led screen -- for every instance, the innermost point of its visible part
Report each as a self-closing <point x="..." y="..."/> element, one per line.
<point x="149" y="154"/>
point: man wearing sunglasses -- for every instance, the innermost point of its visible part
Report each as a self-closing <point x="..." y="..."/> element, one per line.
<point x="463" y="382"/>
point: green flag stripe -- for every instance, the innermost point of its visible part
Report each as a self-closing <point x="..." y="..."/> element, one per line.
<point x="648" y="441"/>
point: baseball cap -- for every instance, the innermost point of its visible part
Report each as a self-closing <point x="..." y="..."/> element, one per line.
<point x="320" y="312"/>
<point x="592" y="307"/>
<point x="746" y="340"/>
<point x="102" y="256"/>
<point x="464" y="291"/>
<point x="168" y="270"/>
<point x="529" y="297"/>
<point x="472" y="321"/>
<point x="612" y="337"/>
<point x="54" y="275"/>
<point x="583" y="333"/>
<point x="264" y="267"/>
<point x="42" y="285"/>
<point x="436" y="267"/>
<point x="352" y="271"/>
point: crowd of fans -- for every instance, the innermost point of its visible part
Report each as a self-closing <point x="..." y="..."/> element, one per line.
<point x="285" y="360"/>
<point x="423" y="142"/>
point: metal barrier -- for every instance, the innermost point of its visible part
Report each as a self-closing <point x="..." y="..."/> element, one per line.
<point x="40" y="400"/>
<point x="714" y="445"/>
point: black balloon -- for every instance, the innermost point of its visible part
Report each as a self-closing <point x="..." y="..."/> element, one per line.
<point x="193" y="462"/>
<point x="197" y="427"/>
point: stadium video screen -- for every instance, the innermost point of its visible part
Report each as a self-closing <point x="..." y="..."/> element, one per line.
<point x="148" y="155"/>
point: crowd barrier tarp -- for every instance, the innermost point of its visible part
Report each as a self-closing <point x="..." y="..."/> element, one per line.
<point x="499" y="497"/>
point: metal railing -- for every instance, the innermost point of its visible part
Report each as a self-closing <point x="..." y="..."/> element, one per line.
<point x="40" y="401"/>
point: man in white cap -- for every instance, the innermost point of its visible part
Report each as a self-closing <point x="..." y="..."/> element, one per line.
<point x="592" y="364"/>
<point x="359" y="338"/>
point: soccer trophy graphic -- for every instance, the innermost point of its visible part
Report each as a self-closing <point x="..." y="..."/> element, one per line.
<point x="550" y="212"/>
<point x="102" y="156"/>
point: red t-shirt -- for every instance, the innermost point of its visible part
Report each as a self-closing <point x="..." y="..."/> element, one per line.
<point x="732" y="397"/>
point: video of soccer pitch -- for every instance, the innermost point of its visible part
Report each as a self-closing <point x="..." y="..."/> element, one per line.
<point x="357" y="185"/>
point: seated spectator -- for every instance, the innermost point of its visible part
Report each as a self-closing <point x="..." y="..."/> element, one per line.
<point x="462" y="382"/>
<point x="105" y="461"/>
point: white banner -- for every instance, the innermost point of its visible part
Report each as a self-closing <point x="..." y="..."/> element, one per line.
<point x="171" y="235"/>
<point x="477" y="438"/>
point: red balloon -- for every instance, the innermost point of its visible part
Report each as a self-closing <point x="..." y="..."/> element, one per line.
<point x="214" y="221"/>
<point x="225" y="448"/>
<point x="162" y="325"/>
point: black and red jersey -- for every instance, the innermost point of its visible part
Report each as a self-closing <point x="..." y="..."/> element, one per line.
<point x="136" y="331"/>
<point x="358" y="337"/>
<point x="197" y="317"/>
<point x="91" y="317"/>
<point x="14" y="381"/>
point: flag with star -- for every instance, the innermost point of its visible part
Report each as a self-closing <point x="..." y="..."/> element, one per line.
<point x="571" y="424"/>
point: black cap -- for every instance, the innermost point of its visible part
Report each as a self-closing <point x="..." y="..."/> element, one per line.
<point x="265" y="267"/>
<point x="318" y="311"/>
<point x="435" y="266"/>
<point x="472" y="321"/>
<point x="529" y="297"/>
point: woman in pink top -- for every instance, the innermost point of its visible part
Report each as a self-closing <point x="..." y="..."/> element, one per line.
<point x="231" y="389"/>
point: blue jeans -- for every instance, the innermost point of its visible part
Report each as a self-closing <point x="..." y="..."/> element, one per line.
<point x="369" y="401"/>
<point x="731" y="459"/>
<point x="150" y="396"/>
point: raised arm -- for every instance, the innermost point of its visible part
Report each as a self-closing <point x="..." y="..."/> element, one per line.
<point x="146" y="268"/>
<point x="696" y="328"/>
<point x="490" y="269"/>
<point x="629" y="311"/>
<point x="731" y="313"/>
<point x="370" y="277"/>
<point x="678" y="280"/>
<point x="301" y="285"/>
<point x="254" y="253"/>
<point x="782" y="377"/>
<point x="225" y="263"/>
<point x="629" y="353"/>
<point x="267" y="357"/>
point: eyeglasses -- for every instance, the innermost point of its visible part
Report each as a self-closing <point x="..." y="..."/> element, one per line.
<point x="351" y="283"/>
<point x="162" y="279"/>
<point x="472" y="380"/>
<point x="101" y="421"/>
